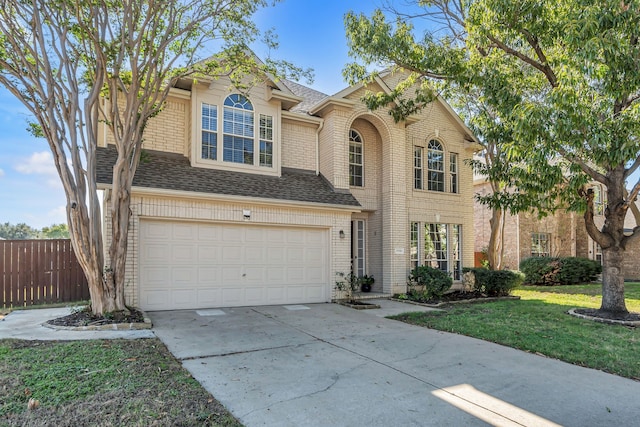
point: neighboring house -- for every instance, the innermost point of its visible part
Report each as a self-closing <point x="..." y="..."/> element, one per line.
<point x="263" y="199"/>
<point x="561" y="234"/>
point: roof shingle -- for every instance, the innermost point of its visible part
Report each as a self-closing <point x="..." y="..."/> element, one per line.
<point x="174" y="172"/>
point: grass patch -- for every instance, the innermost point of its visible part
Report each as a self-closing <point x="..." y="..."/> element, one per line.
<point x="101" y="382"/>
<point x="539" y="323"/>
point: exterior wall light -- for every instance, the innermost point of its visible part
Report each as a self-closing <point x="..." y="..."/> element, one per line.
<point x="341" y="233"/>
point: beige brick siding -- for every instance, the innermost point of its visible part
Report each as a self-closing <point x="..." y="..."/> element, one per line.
<point x="298" y="145"/>
<point x="168" y="131"/>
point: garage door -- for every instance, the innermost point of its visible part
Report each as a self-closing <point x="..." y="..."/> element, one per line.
<point x="198" y="265"/>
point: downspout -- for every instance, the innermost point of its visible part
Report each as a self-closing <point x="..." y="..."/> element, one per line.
<point x="318" y="146"/>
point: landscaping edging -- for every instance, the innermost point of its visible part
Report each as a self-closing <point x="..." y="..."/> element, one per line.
<point x="133" y="326"/>
<point x="573" y="312"/>
<point x="440" y="304"/>
<point x="361" y="306"/>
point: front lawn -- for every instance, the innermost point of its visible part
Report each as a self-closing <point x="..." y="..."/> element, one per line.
<point x="539" y="323"/>
<point x="101" y="382"/>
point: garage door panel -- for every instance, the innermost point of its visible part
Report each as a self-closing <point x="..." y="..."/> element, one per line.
<point x="183" y="253"/>
<point x="295" y="236"/>
<point x="186" y="275"/>
<point x="295" y="256"/>
<point x="155" y="277"/>
<point x="208" y="276"/>
<point x="206" y="233"/>
<point x="254" y="255"/>
<point x="208" y="297"/>
<point x="232" y="296"/>
<point x="208" y="254"/>
<point x="232" y="255"/>
<point x="295" y="274"/>
<point x="254" y="295"/>
<point x="198" y="265"/>
<point x="314" y="275"/>
<point x="184" y="231"/>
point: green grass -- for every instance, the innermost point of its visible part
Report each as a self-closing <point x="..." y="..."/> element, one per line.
<point x="539" y="323"/>
<point x="101" y="382"/>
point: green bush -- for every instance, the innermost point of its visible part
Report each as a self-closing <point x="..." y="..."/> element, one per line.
<point x="497" y="283"/>
<point x="551" y="271"/>
<point x="428" y="283"/>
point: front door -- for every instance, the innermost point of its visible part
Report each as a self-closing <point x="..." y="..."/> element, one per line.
<point x="357" y="247"/>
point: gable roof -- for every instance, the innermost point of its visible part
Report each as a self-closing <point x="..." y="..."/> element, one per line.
<point x="170" y="171"/>
<point x="310" y="97"/>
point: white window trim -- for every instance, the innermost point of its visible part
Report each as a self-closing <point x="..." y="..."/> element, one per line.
<point x="450" y="259"/>
<point x="203" y="95"/>
<point x="362" y="163"/>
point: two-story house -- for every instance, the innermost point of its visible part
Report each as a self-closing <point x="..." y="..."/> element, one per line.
<point x="262" y="198"/>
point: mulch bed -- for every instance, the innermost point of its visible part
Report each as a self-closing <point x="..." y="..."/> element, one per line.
<point x="453" y="297"/>
<point x="87" y="318"/>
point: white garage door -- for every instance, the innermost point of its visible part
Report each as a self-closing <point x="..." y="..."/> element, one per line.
<point x="198" y="265"/>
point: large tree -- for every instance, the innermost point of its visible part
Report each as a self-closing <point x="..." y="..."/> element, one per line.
<point x="76" y="63"/>
<point x="562" y="77"/>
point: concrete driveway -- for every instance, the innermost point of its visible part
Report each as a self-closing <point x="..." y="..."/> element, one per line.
<point x="329" y="365"/>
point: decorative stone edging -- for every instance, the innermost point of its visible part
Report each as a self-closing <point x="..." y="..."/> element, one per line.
<point x="440" y="304"/>
<point x="363" y="306"/>
<point x="573" y="312"/>
<point x="133" y="326"/>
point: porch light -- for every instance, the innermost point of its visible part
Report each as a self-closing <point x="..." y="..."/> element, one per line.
<point x="341" y="234"/>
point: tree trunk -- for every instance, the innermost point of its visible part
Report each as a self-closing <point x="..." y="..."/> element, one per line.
<point x="496" y="239"/>
<point x="613" y="281"/>
<point x="611" y="239"/>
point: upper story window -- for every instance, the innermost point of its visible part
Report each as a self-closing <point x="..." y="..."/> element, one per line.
<point x="435" y="166"/>
<point x="238" y="130"/>
<point x="247" y="135"/>
<point x="598" y="200"/>
<point x="430" y="174"/>
<point x="540" y="244"/>
<point x="417" y="168"/>
<point x="453" y="172"/>
<point x="209" y="131"/>
<point x="356" y="164"/>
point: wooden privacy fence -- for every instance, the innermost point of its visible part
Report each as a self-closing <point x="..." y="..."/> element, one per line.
<point x="40" y="272"/>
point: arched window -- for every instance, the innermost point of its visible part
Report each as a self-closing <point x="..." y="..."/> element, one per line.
<point x="238" y="130"/>
<point x="435" y="166"/>
<point x="355" y="159"/>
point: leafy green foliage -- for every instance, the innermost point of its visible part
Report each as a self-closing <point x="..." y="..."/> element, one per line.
<point x="17" y="232"/>
<point x="55" y="231"/>
<point x="553" y="271"/>
<point x="428" y="283"/>
<point x="551" y="88"/>
<point x="496" y="283"/>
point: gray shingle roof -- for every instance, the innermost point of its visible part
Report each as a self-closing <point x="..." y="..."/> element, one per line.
<point x="174" y="172"/>
<point x="310" y="96"/>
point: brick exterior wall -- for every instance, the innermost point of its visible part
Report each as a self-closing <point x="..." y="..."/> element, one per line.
<point x="389" y="201"/>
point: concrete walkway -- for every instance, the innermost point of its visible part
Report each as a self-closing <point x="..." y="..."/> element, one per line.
<point x="329" y="365"/>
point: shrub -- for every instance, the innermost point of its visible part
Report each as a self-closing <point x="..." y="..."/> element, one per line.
<point x="432" y="283"/>
<point x="550" y="271"/>
<point x="497" y="283"/>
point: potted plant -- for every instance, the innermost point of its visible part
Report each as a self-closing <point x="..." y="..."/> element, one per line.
<point x="366" y="282"/>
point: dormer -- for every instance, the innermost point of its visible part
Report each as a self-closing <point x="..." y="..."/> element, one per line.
<point x="239" y="131"/>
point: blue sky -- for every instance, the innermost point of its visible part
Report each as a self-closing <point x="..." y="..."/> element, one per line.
<point x="311" y="35"/>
